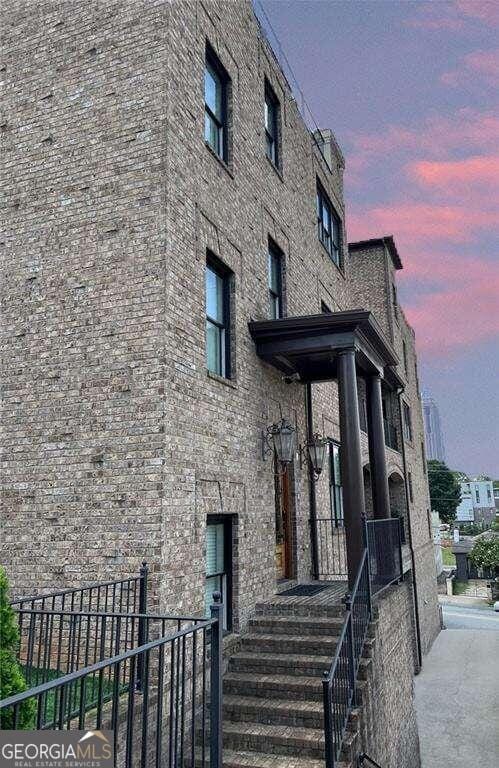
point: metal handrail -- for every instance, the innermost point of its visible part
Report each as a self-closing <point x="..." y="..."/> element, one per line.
<point x="339" y="682"/>
<point x="362" y="760"/>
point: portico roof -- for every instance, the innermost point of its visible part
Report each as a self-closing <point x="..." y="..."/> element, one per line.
<point x="308" y="345"/>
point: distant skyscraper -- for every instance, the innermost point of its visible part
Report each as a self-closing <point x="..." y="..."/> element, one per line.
<point x="435" y="448"/>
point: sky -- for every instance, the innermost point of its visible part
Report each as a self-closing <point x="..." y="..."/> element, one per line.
<point x="411" y="91"/>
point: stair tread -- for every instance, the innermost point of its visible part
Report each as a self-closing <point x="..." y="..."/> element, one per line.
<point x="284" y="657"/>
<point x="300" y="620"/>
<point x="287" y="732"/>
<point x="259" y="703"/>
<point x="261" y="636"/>
<point x="266" y="760"/>
<point x="281" y="680"/>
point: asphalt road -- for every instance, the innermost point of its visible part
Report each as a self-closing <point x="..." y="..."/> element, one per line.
<point x="464" y="617"/>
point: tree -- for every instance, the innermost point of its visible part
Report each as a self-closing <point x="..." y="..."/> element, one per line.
<point x="11" y="676"/>
<point x="485" y="553"/>
<point x="445" y="493"/>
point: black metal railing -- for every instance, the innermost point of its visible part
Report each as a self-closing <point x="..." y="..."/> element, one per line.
<point x="127" y="595"/>
<point x="56" y="643"/>
<point x="385" y="552"/>
<point x="391" y="438"/>
<point x="339" y="682"/>
<point x="331" y="549"/>
<point x="162" y="699"/>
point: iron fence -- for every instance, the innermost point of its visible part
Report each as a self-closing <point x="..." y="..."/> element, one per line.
<point x="339" y="682"/>
<point x="127" y="595"/>
<point x="331" y="549"/>
<point x="384" y="548"/>
<point x="161" y="699"/>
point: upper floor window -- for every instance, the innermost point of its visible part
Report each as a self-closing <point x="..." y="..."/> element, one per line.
<point x="407" y="422"/>
<point x="215" y="104"/>
<point x="275" y="281"/>
<point x="411" y="491"/>
<point x="335" y="487"/>
<point x="477" y="495"/>
<point x="217" y="320"/>
<point x="395" y="301"/>
<point x="328" y="226"/>
<point x="271" y="116"/>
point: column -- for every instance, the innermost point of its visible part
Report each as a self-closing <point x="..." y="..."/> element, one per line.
<point x="377" y="455"/>
<point x="351" y="462"/>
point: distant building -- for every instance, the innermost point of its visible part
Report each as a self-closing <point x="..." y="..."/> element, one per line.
<point x="435" y="448"/>
<point x="477" y="502"/>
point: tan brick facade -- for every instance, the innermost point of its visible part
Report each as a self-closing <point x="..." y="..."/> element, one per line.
<point x="117" y="441"/>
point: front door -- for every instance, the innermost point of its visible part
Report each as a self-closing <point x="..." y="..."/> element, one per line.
<point x="283" y="529"/>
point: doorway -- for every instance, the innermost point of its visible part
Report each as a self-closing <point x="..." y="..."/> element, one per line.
<point x="283" y="525"/>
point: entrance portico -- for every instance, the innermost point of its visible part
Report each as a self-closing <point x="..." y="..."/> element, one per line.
<point x="340" y="346"/>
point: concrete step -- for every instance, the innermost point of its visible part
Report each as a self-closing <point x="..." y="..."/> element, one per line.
<point x="279" y="663"/>
<point x="249" y="709"/>
<point x="282" y="687"/>
<point x="297" y="625"/>
<point x="294" y="644"/>
<point x="243" y="759"/>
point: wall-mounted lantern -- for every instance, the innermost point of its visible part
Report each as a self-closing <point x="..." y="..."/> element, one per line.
<point x="279" y="440"/>
<point x="315" y="449"/>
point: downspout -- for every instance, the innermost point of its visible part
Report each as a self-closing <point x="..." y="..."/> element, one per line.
<point x="411" y="548"/>
<point x="311" y="485"/>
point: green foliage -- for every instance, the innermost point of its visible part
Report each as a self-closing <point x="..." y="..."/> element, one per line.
<point x="445" y="493"/>
<point x="448" y="557"/>
<point x="11" y="677"/>
<point x="485" y="553"/>
<point x="471" y="529"/>
<point x="495" y="525"/>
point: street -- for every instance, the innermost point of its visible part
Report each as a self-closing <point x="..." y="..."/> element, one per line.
<point x="464" y="617"/>
<point x="457" y="695"/>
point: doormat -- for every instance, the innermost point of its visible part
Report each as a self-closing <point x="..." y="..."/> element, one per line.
<point x="304" y="590"/>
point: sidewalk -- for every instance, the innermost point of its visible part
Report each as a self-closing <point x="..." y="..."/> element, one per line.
<point x="457" y="700"/>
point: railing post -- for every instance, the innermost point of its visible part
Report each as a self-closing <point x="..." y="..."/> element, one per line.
<point x="350" y="645"/>
<point x="143" y="624"/>
<point x="216" y="724"/>
<point x="327" y="697"/>
<point x="400" y="547"/>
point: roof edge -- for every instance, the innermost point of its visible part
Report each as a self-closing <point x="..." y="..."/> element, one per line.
<point x="387" y="241"/>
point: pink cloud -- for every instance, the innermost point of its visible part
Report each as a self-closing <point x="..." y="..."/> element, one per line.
<point x="448" y="320"/>
<point x="455" y="16"/>
<point x="477" y="67"/>
<point x="422" y="223"/>
<point x="438" y="137"/>
<point x="455" y="176"/>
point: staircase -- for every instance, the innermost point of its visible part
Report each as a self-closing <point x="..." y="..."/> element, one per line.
<point x="273" y="708"/>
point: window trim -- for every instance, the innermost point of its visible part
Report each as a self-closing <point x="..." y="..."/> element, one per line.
<point x="212" y="62"/>
<point x="338" y="520"/>
<point x="224" y="273"/>
<point x="273" y="251"/>
<point x="228" y="573"/>
<point x="270" y="99"/>
<point x="324" y="201"/>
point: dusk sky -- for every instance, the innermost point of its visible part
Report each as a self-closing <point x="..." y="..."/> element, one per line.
<point x="411" y="91"/>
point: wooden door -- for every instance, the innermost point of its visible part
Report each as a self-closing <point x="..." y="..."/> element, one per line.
<point x="283" y="528"/>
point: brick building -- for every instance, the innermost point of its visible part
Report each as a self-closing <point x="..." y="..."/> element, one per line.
<point x="174" y="231"/>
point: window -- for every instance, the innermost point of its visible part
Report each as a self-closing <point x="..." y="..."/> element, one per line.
<point x="411" y="492"/>
<point x="217" y="320"/>
<point x="423" y="458"/>
<point x="428" y="515"/>
<point x="407" y="423"/>
<point x="335" y="489"/>
<point x="477" y="494"/>
<point x="215" y="105"/>
<point x="404" y="353"/>
<point x="271" y="117"/>
<point x="219" y="565"/>
<point x="489" y="495"/>
<point x="394" y="301"/>
<point x="275" y="281"/>
<point x="363" y="412"/>
<point x="329" y="226"/>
